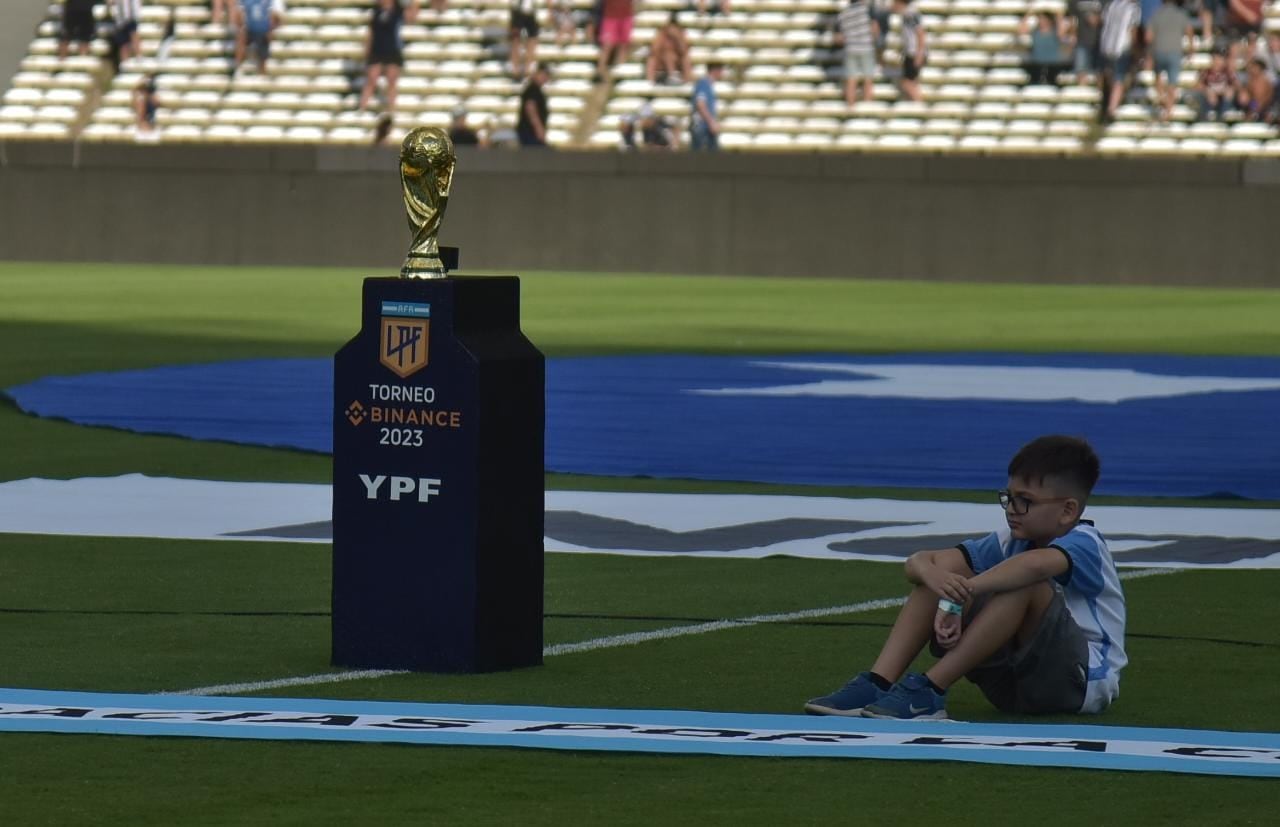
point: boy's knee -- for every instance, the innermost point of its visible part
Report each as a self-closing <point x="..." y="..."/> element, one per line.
<point x="954" y="563"/>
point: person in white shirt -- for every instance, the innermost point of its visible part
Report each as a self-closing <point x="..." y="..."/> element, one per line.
<point x="1120" y="21"/>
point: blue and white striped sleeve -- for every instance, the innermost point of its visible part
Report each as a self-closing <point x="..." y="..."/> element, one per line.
<point x="1085" y="573"/>
<point x="983" y="553"/>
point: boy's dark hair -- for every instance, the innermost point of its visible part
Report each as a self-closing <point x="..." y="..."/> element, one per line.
<point x="1069" y="459"/>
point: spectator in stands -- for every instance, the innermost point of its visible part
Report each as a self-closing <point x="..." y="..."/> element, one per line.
<point x="616" y="23"/>
<point x="713" y="7"/>
<point x="384" y="48"/>
<point x="857" y="32"/>
<point x="1258" y="95"/>
<point x="653" y="130"/>
<point x="1208" y="11"/>
<point x="459" y="132"/>
<point x="258" y="20"/>
<point x="1044" y="60"/>
<point x="382" y="129"/>
<point x="880" y="11"/>
<point x="627" y="132"/>
<point x="224" y="10"/>
<point x="1120" y="21"/>
<point x="145" y="104"/>
<point x="1149" y="9"/>
<point x="1169" y="32"/>
<point x="125" y="40"/>
<point x="77" y="25"/>
<point x="1243" y="25"/>
<point x="593" y="21"/>
<point x="523" y="35"/>
<point x="1087" y="18"/>
<point x="168" y="36"/>
<point x="531" y="128"/>
<point x="915" y="47"/>
<point x="1216" y="88"/>
<point x="669" y="53"/>
<point x="1271" y="54"/>
<point x="564" y="20"/>
<point x="497" y="136"/>
<point x="704" y="122"/>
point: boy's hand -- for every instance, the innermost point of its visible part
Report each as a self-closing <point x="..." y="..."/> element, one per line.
<point x="947" y="628"/>
<point x="948" y="584"/>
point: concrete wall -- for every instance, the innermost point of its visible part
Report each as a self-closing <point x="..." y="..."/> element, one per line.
<point x="18" y="21"/>
<point x="944" y="218"/>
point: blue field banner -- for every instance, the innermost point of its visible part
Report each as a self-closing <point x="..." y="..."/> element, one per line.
<point x="1168" y="426"/>
<point x="1163" y="425"/>
<point x="634" y="730"/>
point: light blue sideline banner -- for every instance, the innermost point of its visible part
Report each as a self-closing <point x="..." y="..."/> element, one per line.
<point x="641" y="730"/>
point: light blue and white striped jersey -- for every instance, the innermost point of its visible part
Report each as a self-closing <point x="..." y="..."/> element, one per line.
<point x="1093" y="595"/>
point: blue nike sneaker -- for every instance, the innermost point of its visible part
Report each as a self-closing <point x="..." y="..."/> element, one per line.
<point x="909" y="699"/>
<point x="849" y="700"/>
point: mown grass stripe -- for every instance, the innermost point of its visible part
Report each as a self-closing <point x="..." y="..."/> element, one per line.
<point x="608" y="642"/>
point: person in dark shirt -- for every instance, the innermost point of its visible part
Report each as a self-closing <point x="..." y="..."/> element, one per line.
<point x="384" y="48"/>
<point x="531" y="128"/>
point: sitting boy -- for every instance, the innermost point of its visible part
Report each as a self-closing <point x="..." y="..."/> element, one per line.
<point x="1032" y="613"/>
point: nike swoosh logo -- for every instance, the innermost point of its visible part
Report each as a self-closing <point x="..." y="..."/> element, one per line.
<point x="916" y="710"/>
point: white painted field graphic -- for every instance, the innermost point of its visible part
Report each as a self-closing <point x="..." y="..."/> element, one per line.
<point x="648" y="524"/>
<point x="993" y="382"/>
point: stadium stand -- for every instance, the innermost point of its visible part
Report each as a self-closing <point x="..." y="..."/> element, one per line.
<point x="783" y="90"/>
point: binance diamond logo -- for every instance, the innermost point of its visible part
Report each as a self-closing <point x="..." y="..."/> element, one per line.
<point x="355" y="413"/>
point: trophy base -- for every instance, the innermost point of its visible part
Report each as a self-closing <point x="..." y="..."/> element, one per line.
<point x="430" y="267"/>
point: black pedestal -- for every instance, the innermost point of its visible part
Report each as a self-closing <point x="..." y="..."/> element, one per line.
<point x="438" y="480"/>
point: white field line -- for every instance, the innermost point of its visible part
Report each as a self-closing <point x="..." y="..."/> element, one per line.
<point x="716" y="626"/>
<point x="609" y="642"/>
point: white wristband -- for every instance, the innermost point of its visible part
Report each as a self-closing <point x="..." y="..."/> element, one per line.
<point x="950" y="607"/>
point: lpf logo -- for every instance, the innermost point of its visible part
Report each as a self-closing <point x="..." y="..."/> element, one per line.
<point x="406" y="328"/>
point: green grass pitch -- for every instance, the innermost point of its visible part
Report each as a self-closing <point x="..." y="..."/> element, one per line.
<point x="152" y="615"/>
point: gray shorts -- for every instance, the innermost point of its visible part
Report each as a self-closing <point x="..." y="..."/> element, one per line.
<point x="859" y="64"/>
<point x="1048" y="675"/>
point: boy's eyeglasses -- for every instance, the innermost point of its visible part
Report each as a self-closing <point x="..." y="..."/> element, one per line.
<point x="1021" y="505"/>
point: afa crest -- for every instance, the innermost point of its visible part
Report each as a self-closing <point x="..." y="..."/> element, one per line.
<point x="403" y="344"/>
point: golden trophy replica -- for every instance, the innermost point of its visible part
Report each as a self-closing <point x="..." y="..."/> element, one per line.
<point x="427" y="160"/>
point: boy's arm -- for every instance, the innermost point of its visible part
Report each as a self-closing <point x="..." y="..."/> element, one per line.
<point x="946" y="572"/>
<point x="1020" y="570"/>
